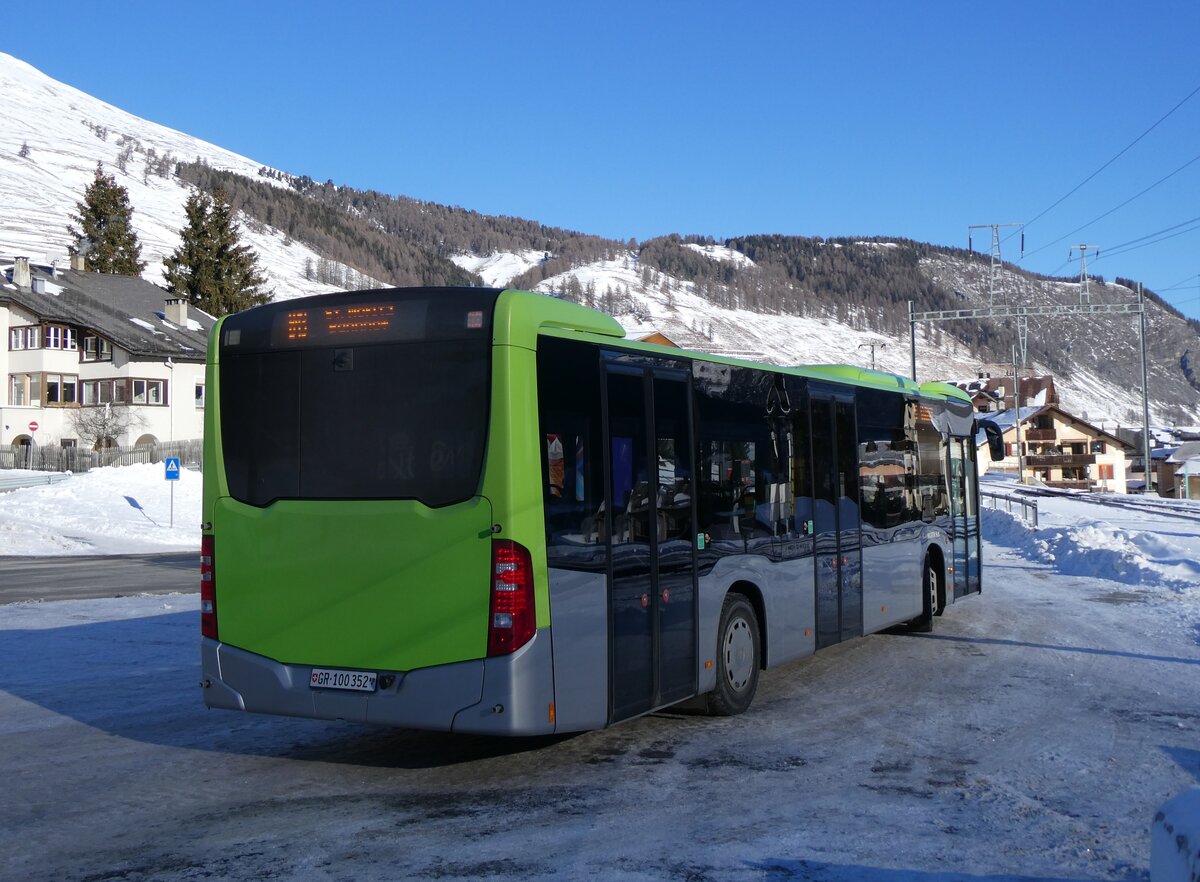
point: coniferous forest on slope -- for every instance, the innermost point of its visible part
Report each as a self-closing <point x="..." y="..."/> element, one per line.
<point x="863" y="282"/>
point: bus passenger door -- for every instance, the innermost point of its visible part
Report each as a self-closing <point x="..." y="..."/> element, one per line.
<point x="836" y="523"/>
<point x="651" y="524"/>
<point x="964" y="517"/>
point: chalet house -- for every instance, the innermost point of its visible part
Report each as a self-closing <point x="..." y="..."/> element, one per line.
<point x="1179" y="472"/>
<point x="72" y="340"/>
<point x="990" y="394"/>
<point x="1061" y="450"/>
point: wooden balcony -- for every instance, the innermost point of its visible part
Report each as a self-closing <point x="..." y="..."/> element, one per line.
<point x="1059" y="460"/>
<point x="1039" y="435"/>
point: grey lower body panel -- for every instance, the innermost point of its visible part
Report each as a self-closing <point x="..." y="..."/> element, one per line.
<point x="509" y="695"/>
<point x="892" y="591"/>
<point x="579" y="610"/>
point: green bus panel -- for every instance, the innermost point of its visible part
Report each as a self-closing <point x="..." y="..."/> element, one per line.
<point x="379" y="585"/>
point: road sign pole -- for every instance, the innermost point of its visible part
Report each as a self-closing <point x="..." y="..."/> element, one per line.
<point x="171" y="473"/>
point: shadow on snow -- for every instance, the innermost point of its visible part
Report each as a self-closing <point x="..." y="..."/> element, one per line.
<point x="139" y="679"/>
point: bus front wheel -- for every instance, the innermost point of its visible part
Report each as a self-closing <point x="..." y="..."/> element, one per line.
<point x="738" y="658"/>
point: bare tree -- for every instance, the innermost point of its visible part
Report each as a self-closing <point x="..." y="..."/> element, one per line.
<point x="100" y="427"/>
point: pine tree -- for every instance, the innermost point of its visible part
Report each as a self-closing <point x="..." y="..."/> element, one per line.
<point x="211" y="268"/>
<point x="105" y="228"/>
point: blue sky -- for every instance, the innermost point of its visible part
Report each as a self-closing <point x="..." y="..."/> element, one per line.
<point x="638" y="119"/>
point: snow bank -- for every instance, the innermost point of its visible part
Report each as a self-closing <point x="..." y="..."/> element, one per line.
<point x="1095" y="548"/>
<point x="1175" y="839"/>
<point x="91" y="514"/>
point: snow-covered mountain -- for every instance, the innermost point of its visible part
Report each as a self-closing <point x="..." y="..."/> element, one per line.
<point x="51" y="138"/>
<point x="671" y="307"/>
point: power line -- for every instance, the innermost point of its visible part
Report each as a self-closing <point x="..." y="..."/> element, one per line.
<point x="1133" y="244"/>
<point x="1117" y="208"/>
<point x="1122" y="152"/>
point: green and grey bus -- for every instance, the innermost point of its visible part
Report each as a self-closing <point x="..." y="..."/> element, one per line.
<point x="487" y="511"/>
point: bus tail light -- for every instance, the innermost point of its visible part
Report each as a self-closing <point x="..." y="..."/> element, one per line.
<point x="512" y="620"/>
<point x="208" y="589"/>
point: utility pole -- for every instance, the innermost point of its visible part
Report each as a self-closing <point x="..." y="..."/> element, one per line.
<point x="1017" y="422"/>
<point x="997" y="263"/>
<point x="875" y="344"/>
<point x="1085" y="296"/>
<point x="912" y="335"/>
<point x="1145" y="392"/>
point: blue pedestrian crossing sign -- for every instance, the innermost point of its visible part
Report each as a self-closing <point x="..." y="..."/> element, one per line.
<point x="172" y="468"/>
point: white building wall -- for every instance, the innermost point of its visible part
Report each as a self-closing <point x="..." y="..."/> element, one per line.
<point x="178" y="419"/>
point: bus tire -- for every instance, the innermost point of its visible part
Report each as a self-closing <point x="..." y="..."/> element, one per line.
<point x="739" y="658"/>
<point x="923" y="624"/>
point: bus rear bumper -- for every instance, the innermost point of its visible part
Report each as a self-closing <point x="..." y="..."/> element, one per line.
<point x="512" y="695"/>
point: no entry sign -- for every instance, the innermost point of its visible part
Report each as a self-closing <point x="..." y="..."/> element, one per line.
<point x="33" y="426"/>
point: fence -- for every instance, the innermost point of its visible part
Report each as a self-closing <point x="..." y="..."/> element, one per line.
<point x="79" y="459"/>
<point x="1029" y="507"/>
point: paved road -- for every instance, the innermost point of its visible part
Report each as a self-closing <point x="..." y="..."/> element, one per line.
<point x="85" y="577"/>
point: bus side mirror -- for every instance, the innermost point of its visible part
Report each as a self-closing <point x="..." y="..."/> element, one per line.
<point x="995" y="439"/>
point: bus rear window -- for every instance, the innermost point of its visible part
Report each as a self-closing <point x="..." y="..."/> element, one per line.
<point x="355" y="418"/>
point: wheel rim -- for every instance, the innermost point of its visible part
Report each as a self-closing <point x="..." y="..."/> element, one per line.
<point x="933" y="592"/>
<point x="739" y="654"/>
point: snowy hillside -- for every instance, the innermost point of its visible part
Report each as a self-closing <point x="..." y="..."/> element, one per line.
<point x="65" y="132"/>
<point x="671" y="307"/>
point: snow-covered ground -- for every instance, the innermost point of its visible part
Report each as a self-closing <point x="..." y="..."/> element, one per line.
<point x="1031" y="737"/>
<point x="500" y="267"/>
<point x="1064" y="713"/>
<point x="91" y="513"/>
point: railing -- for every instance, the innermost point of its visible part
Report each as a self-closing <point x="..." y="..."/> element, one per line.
<point x="19" y="481"/>
<point x="1040" y="435"/>
<point x="1027" y="505"/>
<point x="1057" y="460"/>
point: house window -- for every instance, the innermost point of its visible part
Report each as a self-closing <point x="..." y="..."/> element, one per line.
<point x="102" y="391"/>
<point x="96" y="348"/>
<point x="200" y="395"/>
<point x="61" y="389"/>
<point x="24" y="338"/>
<point x="69" y="442"/>
<point x="149" y="391"/>
<point x="24" y="389"/>
<point x="60" y="337"/>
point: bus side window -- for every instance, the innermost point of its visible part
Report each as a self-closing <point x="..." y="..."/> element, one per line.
<point x="571" y="454"/>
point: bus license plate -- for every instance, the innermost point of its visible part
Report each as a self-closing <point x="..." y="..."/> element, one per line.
<point x="357" y="681"/>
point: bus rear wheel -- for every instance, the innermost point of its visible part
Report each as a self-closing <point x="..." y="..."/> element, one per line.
<point x="739" y="657"/>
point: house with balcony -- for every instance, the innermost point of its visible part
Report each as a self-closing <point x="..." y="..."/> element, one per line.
<point x="1061" y="450"/>
<point x="990" y="394"/>
<point x="74" y="342"/>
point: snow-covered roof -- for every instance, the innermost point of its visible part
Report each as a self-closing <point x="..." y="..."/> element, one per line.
<point x="123" y="309"/>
